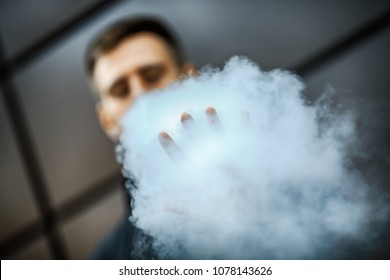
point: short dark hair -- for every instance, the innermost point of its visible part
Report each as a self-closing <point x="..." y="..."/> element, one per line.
<point x="112" y="36"/>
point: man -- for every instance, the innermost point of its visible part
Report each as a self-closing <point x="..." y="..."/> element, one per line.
<point x="125" y="61"/>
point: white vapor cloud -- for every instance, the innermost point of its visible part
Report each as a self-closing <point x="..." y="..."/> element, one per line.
<point x="272" y="182"/>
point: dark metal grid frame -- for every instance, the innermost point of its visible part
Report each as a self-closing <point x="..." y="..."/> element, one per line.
<point x="50" y="217"/>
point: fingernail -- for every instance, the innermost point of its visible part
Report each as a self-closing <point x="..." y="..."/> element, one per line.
<point x="185" y="117"/>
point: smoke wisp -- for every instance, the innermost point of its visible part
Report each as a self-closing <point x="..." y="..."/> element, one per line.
<point x="269" y="180"/>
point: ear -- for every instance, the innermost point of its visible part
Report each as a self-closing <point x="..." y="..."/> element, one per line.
<point x="189" y="69"/>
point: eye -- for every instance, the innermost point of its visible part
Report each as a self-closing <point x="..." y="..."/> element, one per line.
<point x="153" y="74"/>
<point x="119" y="90"/>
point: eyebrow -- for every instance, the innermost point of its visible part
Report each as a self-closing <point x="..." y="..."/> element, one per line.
<point x="144" y="69"/>
<point x="141" y="70"/>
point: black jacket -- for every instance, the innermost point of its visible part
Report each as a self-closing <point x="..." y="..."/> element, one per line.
<point x="126" y="241"/>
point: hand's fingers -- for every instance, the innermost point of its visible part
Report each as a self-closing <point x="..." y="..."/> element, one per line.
<point x="170" y="147"/>
<point x="213" y="118"/>
<point x="186" y="120"/>
<point x="188" y="123"/>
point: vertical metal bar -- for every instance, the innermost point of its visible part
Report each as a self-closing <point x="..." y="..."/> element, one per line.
<point x="30" y="161"/>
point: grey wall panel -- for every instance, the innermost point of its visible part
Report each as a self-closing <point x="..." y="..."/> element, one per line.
<point x="360" y="73"/>
<point x="24" y="21"/>
<point x="60" y="109"/>
<point x="273" y="33"/>
<point x="85" y="232"/>
<point x="73" y="150"/>
<point x="17" y="207"/>
<point x="362" y="85"/>
<point x="361" y="81"/>
<point x="39" y="250"/>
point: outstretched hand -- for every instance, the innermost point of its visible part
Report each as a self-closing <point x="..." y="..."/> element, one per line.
<point x="173" y="150"/>
<point x="168" y="144"/>
<point x="177" y="155"/>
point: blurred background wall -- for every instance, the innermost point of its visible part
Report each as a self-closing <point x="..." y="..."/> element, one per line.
<point x="60" y="190"/>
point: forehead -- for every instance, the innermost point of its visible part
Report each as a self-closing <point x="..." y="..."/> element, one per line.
<point x="134" y="52"/>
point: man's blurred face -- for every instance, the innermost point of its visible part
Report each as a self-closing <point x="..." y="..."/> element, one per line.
<point x="140" y="63"/>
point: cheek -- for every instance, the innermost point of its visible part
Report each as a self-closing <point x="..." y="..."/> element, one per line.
<point x="116" y="108"/>
<point x="169" y="78"/>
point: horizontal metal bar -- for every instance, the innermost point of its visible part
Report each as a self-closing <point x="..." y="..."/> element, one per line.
<point x="348" y="42"/>
<point x="54" y="37"/>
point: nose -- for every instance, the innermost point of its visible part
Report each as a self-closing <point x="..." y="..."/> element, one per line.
<point x="136" y="86"/>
